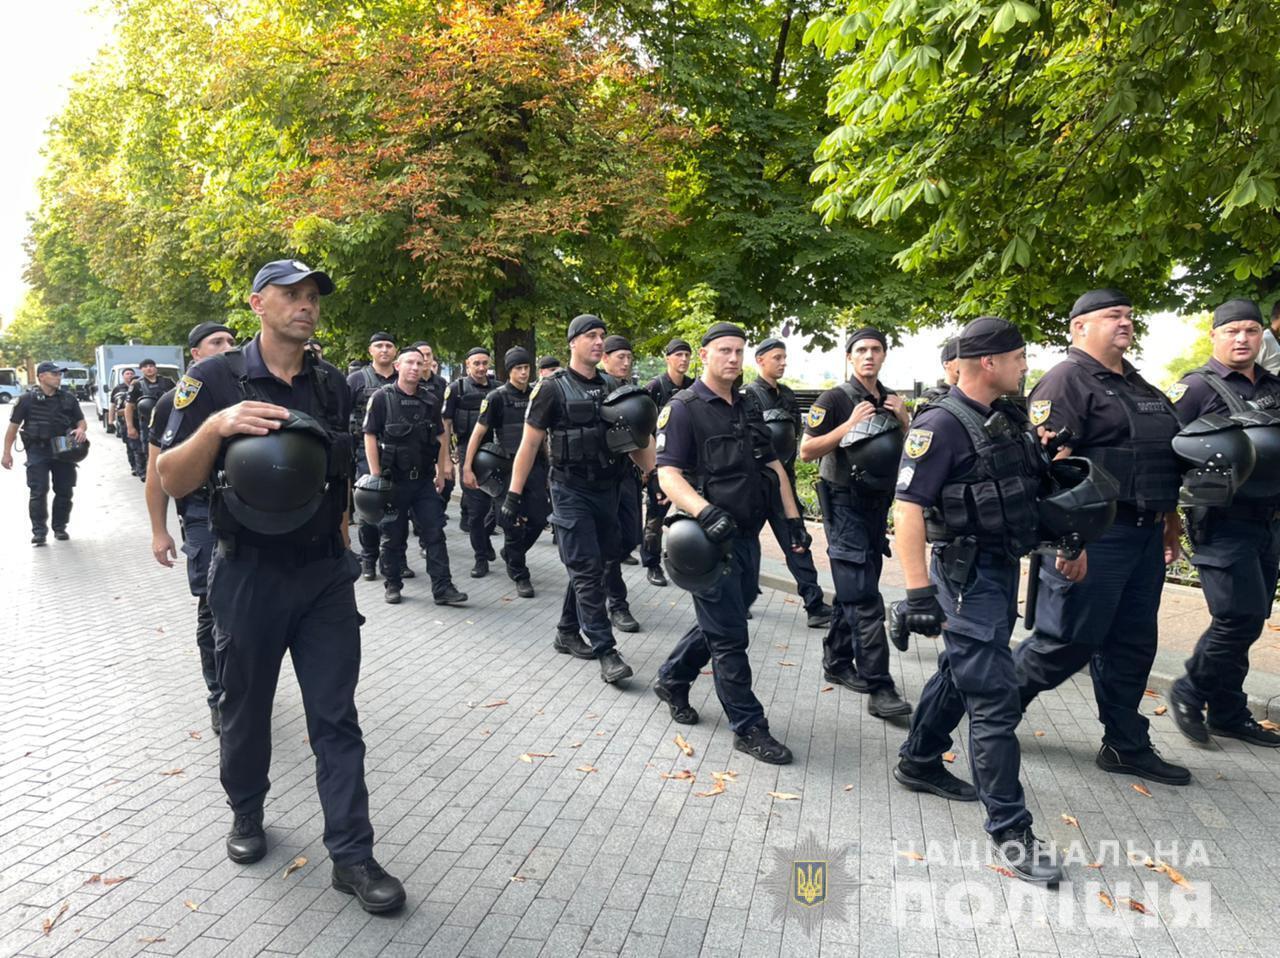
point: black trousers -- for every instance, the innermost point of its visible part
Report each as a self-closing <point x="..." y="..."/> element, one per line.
<point x="587" y="534"/>
<point x="44" y="471"/>
<point x="800" y="565"/>
<point x="416" y="498"/>
<point x="517" y="541"/>
<point x="198" y="543"/>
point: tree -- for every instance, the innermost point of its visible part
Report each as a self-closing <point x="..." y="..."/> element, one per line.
<point x="1021" y="151"/>
<point x="1196" y="355"/>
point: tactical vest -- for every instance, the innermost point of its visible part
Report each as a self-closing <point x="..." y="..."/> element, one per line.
<point x="930" y="397"/>
<point x="666" y="390"/>
<point x="156" y="389"/>
<point x="577" y="442"/>
<point x="323" y="527"/>
<point x="46" y="416"/>
<point x="994" y="501"/>
<point x="370" y="383"/>
<point x="467" y="414"/>
<point x="1234" y="401"/>
<point x="1145" y="467"/>
<point x="514" y="404"/>
<point x="728" y="473"/>
<point x="409" y="442"/>
<point x="836" y="467"/>
<point x="782" y="405"/>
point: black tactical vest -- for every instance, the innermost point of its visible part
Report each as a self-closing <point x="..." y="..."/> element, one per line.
<point x="47" y="416"/>
<point x="728" y="473"/>
<point x="409" y="442"/>
<point x="1235" y="403"/>
<point x="467" y="413"/>
<point x="156" y="389"/>
<point x="1148" y="472"/>
<point x="783" y="404"/>
<point x="514" y="404"/>
<point x="666" y="389"/>
<point x="930" y="397"/>
<point x="577" y="442"/>
<point x="370" y="383"/>
<point x="994" y="502"/>
<point x="836" y="467"/>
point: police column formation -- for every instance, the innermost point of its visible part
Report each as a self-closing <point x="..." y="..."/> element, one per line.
<point x="268" y="426"/>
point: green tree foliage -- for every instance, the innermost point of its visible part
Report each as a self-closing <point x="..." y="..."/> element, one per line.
<point x="1021" y="151"/>
<point x="1196" y="355"/>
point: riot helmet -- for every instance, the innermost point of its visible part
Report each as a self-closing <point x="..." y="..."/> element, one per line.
<point x="1077" y="504"/>
<point x="1219" y="457"/>
<point x="1263" y="429"/>
<point x="782" y="433"/>
<point x="631" y="416"/>
<point x="274" y="484"/>
<point x="371" y="499"/>
<point x="146" y="405"/>
<point x="68" y="449"/>
<point x="692" y="560"/>
<point x="492" y="468"/>
<point x="875" y="452"/>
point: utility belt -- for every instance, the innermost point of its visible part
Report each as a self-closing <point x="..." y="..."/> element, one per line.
<point x="835" y="494"/>
<point x="586" y="477"/>
<point x="959" y="557"/>
<point x="1127" y="514"/>
<point x="278" y="553"/>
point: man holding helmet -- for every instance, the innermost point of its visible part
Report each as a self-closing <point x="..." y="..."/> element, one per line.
<point x="268" y="425"/>
<point x="141" y="403"/>
<point x="856" y="429"/>
<point x="363" y="383"/>
<point x="712" y="434"/>
<point x="1236" y="546"/>
<point x="462" y="402"/>
<point x="661" y="388"/>
<point x="45" y="413"/>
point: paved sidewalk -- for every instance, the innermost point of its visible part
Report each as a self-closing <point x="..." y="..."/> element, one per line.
<point x="108" y="768"/>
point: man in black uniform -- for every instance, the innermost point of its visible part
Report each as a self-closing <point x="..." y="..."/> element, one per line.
<point x="462" y="402"/>
<point x="547" y="366"/>
<point x="432" y="379"/>
<point x="143" y="396"/>
<point x="778" y="403"/>
<point x="502" y="421"/>
<point x="584" y="489"/>
<point x="618" y="362"/>
<point x="1102" y="608"/>
<point x="661" y="388"/>
<point x="404" y="441"/>
<point x="363" y="383"/>
<point x="115" y="413"/>
<point x="950" y="373"/>
<point x="45" y="412"/>
<point x="855" y="511"/>
<point x="1236" y="547"/>
<point x="277" y="591"/>
<point x="974" y="448"/>
<point x="711" y="433"/>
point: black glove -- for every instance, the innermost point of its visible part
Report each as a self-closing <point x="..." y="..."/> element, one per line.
<point x="511" y="515"/>
<point x="921" y="611"/>
<point x="799" y="534"/>
<point x="717" y="524"/>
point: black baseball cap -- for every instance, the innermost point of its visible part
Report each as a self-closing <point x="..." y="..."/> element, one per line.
<point x="286" y="272"/>
<point x="49" y="367"/>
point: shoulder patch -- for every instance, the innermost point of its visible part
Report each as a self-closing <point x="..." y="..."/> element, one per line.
<point x="484" y="404"/>
<point x="533" y="392"/>
<point x="664" y="416"/>
<point x="1039" y="411"/>
<point x="186" y="392"/>
<point x="448" y="391"/>
<point x="1176" y="391"/>
<point x="815" y="417"/>
<point x="918" y="442"/>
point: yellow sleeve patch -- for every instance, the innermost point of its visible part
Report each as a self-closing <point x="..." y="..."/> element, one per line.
<point x="1039" y="411"/>
<point x="1176" y="391"/>
<point x="918" y="443"/>
<point x="815" y="417"/>
<point x="664" y="416"/>
<point x="186" y="393"/>
<point x="484" y="404"/>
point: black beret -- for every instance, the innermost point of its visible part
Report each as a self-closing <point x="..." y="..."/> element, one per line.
<point x="548" y="362"/>
<point x="477" y="351"/>
<point x="1237" y="311"/>
<point x="773" y="342"/>
<point x="516" y="356"/>
<point x="205" y="329"/>
<point x="614" y="343"/>
<point x="1097" y="299"/>
<point x="677" y="345"/>
<point x="719" y="330"/>
<point x="949" y="350"/>
<point x="419" y="344"/>
<point x="866" y="332"/>
<point x="584" y="324"/>
<point x="988" y="336"/>
<point x="382" y="338"/>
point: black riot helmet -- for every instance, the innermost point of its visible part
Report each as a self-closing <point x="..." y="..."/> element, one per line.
<point x="875" y="452"/>
<point x="492" y="468"/>
<point x="273" y="484"/>
<point x="145" y="406"/>
<point x="1077" y="503"/>
<point x="67" y="449"/>
<point x="1263" y="429"/>
<point x="371" y="498"/>
<point x="692" y="560"/>
<point x="1219" y="458"/>
<point x="631" y="415"/>
<point x="782" y="433"/>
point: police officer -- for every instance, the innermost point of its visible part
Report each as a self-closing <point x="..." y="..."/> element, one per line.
<point x="1101" y="609"/>
<point x="143" y="396"/>
<point x="115" y="413"/>
<point x="1237" y="547"/>
<point x="363" y="383"/>
<point x="204" y="340"/>
<point x="777" y="402"/>
<point x="712" y="434"/>
<point x="584" y="489"/>
<point x="661" y="388"/>
<point x="855" y="510"/>
<point x="547" y="366"/>
<point x="502" y="421"/>
<point x="462" y="402"/>
<point x="404" y="441"/>
<point x="969" y="591"/>
<point x="950" y="373"/>
<point x="432" y="379"/>
<point x="277" y="591"/>
<point x="618" y="363"/>
<point x="43" y="413"/>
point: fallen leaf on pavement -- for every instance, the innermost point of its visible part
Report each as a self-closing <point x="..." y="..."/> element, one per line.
<point x="1168" y="871"/>
<point x="516" y="878"/>
<point x="683" y="775"/>
<point x="173" y="771"/>
<point x="490" y="705"/>
<point x="704" y="672"/>
<point x="1161" y="709"/>
<point x="1106" y="900"/>
<point x="948" y="756"/>
<point x="192" y="905"/>
<point x="587" y="768"/>
<point x="1269" y="725"/>
<point x="592" y="715"/>
<point x="50" y="922"/>
<point x="1039" y="734"/>
<point x="716" y="789"/>
<point x="789" y="665"/>
<point x="1141" y="789"/>
<point x="826" y="688"/>
<point x="576" y="745"/>
<point x="1094" y="865"/>
<point x="1001" y="870"/>
<point x="782" y="648"/>
<point x="912" y="855"/>
<point x="151" y="939"/>
<point x="785" y="796"/>
<point x="848" y="788"/>
<point x="1151" y="692"/>
<point x="93" y="880"/>
<point x="115" y="881"/>
<point x="1071" y="820"/>
<point x="530" y="756"/>
<point x="1135" y="905"/>
<point x="683" y="746"/>
<point x="194" y="735"/>
<point x="725" y="776"/>
<point x="294" y="866"/>
<point x="485" y="733"/>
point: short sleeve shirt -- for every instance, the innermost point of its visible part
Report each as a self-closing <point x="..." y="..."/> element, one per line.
<point x="1192" y="397"/>
<point x="135" y="390"/>
<point x="453" y="393"/>
<point x="937" y="447"/>
<point x="68" y="409"/>
<point x="833" y="408"/>
<point x="677" y="445"/>
<point x="546" y="404"/>
<point x="375" y="415"/>
<point x="1064" y="399"/>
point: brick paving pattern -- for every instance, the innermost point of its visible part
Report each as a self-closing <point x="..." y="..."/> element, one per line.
<point x="100" y="697"/>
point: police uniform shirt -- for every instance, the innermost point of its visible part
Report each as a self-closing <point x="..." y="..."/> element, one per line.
<point x="356" y="382"/>
<point x="677" y="446"/>
<point x="546" y="404"/>
<point x="1063" y="400"/>
<point x="160" y="417"/>
<point x="937" y="447"/>
<point x="68" y="412"/>
<point x="781" y="395"/>
<point x="662" y="388"/>
<point x="834" y="407"/>
<point x="453" y="395"/>
<point x="375" y="416"/>
<point x="1193" y="397"/>
<point x="135" y="391"/>
<point x="119" y="395"/>
<point x="435" y="382"/>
